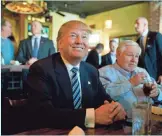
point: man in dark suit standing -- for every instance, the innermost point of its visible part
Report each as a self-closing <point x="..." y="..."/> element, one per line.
<point x="110" y="58"/>
<point x="36" y="47"/>
<point x="151" y="45"/>
<point x="54" y="85"/>
<point x="94" y="57"/>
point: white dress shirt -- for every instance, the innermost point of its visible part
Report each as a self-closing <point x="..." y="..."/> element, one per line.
<point x="113" y="57"/>
<point x="99" y="59"/>
<point x="144" y="34"/>
<point x="90" y="113"/>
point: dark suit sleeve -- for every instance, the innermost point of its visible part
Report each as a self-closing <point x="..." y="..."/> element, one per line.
<point x="41" y="111"/>
<point x="103" y="63"/>
<point x="52" y="48"/>
<point x="159" y="45"/>
<point x="93" y="58"/>
<point x="106" y="60"/>
<point x="21" y="53"/>
<point x="97" y="88"/>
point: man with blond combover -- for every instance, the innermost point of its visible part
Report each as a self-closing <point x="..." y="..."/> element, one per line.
<point x="151" y="45"/>
<point x="124" y="81"/>
<point x="28" y="53"/>
<point x="50" y="102"/>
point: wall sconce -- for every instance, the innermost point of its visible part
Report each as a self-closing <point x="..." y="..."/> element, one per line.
<point x="108" y="24"/>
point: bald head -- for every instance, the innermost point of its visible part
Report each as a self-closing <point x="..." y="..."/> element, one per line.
<point x="141" y="25"/>
<point x="74" y="24"/>
<point x="143" y="20"/>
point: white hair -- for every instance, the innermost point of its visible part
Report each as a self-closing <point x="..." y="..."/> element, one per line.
<point x="122" y="46"/>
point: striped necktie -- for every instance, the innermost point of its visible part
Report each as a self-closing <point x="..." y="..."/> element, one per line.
<point x="35" y="49"/>
<point x="76" y="88"/>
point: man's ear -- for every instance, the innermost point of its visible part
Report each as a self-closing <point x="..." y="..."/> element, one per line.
<point x="59" y="44"/>
<point x="2" y="28"/>
<point x="118" y="53"/>
<point x="145" y="25"/>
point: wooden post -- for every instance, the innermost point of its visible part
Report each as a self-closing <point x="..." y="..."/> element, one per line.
<point x="22" y="26"/>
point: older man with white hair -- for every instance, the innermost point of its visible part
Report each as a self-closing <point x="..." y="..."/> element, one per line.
<point x="124" y="81"/>
<point x="151" y="45"/>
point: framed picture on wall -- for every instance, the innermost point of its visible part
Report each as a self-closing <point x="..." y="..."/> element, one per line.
<point x="127" y="37"/>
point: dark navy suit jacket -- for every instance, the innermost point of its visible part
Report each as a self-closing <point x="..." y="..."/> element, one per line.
<point x="93" y="58"/>
<point x="106" y="59"/>
<point x="46" y="48"/>
<point x="152" y="60"/>
<point x="50" y="101"/>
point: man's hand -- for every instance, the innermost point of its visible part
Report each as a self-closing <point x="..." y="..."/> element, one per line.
<point x="137" y="79"/>
<point x="76" y="131"/>
<point x="108" y="113"/>
<point x="31" y="61"/>
<point x="154" y="92"/>
<point x="121" y="114"/>
<point x="160" y="80"/>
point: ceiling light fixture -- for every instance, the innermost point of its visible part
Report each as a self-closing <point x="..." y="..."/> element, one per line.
<point x="24" y="7"/>
<point x="108" y="24"/>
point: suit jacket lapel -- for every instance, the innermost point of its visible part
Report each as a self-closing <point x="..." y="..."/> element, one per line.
<point x="109" y="58"/>
<point x="63" y="78"/>
<point x="29" y="46"/>
<point x="148" y="41"/>
<point x="85" y="86"/>
<point x="41" y="44"/>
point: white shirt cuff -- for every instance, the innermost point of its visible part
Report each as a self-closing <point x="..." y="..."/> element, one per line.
<point x="90" y="118"/>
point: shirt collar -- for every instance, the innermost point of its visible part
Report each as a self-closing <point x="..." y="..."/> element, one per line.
<point x="68" y="65"/>
<point x="36" y="36"/>
<point x="113" y="53"/>
<point x="145" y="33"/>
<point x="3" y="38"/>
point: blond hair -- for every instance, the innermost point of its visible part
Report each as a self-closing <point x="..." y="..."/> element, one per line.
<point x="71" y="24"/>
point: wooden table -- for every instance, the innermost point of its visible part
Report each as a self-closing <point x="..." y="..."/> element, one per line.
<point x="115" y="129"/>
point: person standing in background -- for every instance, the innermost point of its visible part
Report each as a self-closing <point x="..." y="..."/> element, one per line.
<point x="110" y="58"/>
<point x="151" y="45"/>
<point x="37" y="47"/>
<point x="7" y="48"/>
<point x="94" y="57"/>
<point x="12" y="38"/>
